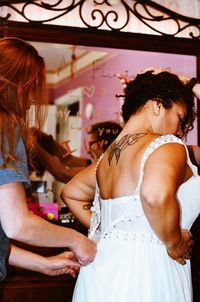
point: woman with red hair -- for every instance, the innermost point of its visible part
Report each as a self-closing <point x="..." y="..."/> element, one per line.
<point x="23" y="83"/>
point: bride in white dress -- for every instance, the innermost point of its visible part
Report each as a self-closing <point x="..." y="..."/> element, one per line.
<point x="146" y="195"/>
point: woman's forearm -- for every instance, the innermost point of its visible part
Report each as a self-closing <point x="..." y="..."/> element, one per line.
<point x="20" y="224"/>
<point x="63" y="263"/>
<point x="25" y="259"/>
<point x="164" y="218"/>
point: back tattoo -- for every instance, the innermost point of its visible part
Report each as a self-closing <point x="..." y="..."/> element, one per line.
<point x="127" y="140"/>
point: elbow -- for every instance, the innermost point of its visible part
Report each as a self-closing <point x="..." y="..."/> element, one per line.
<point x="153" y="198"/>
<point x="64" y="194"/>
<point x="21" y="227"/>
<point x="14" y="230"/>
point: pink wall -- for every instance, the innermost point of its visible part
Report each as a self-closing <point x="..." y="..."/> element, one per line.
<point x="100" y="84"/>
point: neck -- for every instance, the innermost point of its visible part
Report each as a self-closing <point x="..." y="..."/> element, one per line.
<point x="138" y="125"/>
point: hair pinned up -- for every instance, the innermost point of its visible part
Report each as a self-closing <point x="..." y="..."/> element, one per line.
<point x="165" y="86"/>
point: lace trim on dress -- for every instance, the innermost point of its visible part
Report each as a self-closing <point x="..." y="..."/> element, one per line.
<point x="93" y="233"/>
<point x="98" y="161"/>
<point x="161" y="140"/>
<point x="127" y="236"/>
<point x="169" y="138"/>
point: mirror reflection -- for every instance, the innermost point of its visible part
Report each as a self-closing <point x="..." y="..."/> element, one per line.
<point x="82" y="86"/>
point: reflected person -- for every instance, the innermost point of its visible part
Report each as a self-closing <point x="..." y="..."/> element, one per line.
<point x="52" y="156"/>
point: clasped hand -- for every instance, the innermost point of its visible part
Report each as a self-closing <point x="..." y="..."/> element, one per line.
<point x="85" y="250"/>
<point x="181" y="251"/>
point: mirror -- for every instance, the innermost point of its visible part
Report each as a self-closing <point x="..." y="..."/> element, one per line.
<point x="83" y="84"/>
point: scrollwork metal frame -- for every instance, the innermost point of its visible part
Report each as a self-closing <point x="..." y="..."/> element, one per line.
<point x="104" y="14"/>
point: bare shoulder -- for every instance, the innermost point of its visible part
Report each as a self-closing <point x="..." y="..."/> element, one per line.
<point x="167" y="163"/>
<point x="168" y="150"/>
<point x="163" y="142"/>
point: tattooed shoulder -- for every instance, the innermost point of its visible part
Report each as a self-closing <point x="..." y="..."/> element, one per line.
<point x="117" y="148"/>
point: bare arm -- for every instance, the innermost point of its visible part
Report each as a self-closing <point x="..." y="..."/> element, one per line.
<point x="60" y="150"/>
<point x="165" y="172"/>
<point x="63" y="263"/>
<point x="56" y="167"/>
<point x="20" y="224"/>
<point x="68" y="158"/>
<point x="79" y="193"/>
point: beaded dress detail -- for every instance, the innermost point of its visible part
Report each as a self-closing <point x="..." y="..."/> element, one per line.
<point x="132" y="264"/>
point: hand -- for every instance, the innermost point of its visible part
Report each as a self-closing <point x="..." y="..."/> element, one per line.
<point x="123" y="79"/>
<point x="196" y="90"/>
<point x="157" y="70"/>
<point x="85" y="250"/>
<point x="181" y="251"/>
<point x="64" y="263"/>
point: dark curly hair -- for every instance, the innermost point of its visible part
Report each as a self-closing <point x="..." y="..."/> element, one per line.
<point x="106" y="132"/>
<point x="164" y="87"/>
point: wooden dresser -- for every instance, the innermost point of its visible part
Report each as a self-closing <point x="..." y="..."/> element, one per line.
<point x="32" y="287"/>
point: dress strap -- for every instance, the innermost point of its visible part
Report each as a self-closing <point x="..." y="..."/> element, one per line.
<point x="94" y="232"/>
<point x="98" y="161"/>
<point x="159" y="141"/>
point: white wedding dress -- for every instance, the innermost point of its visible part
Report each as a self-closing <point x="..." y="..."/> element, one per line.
<point x="132" y="264"/>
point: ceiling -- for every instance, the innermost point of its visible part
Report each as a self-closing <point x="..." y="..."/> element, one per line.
<point x="66" y="61"/>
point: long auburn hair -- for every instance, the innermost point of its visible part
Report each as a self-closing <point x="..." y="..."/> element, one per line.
<point x="22" y="83"/>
